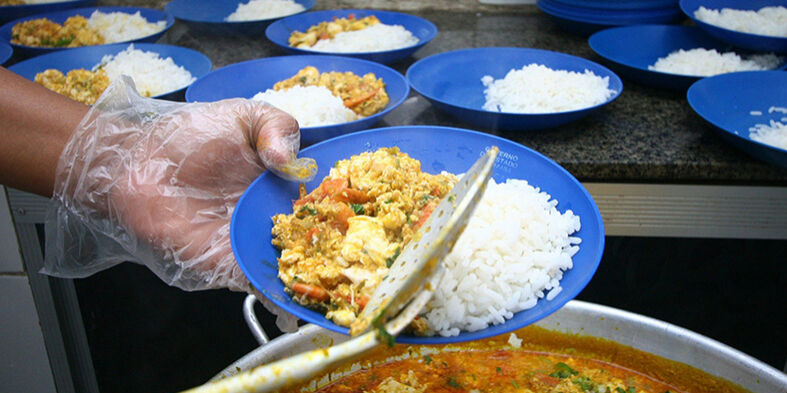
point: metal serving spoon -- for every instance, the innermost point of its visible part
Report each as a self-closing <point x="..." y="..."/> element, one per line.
<point x="397" y="300"/>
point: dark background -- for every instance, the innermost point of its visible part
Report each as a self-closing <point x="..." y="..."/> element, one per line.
<point x="146" y="336"/>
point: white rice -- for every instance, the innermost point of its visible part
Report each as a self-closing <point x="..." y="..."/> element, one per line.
<point x="768" y="21"/>
<point x="514" y="341"/>
<point x="774" y="134"/>
<point x="538" y="89"/>
<point x="779" y="109"/>
<point x="120" y="26"/>
<point x="707" y="62"/>
<point x="309" y="105"/>
<point x="375" y="38"/>
<point x="512" y="253"/>
<point x="264" y="9"/>
<point x="152" y="74"/>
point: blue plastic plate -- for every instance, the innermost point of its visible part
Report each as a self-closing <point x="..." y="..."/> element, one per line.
<point x="5" y="52"/>
<point x="208" y="16"/>
<point x="589" y="24"/>
<point x="726" y="101"/>
<point x="744" y="40"/>
<point x="248" y="78"/>
<point x="620" y="4"/>
<point x="631" y="49"/>
<point x="87" y="57"/>
<point x="152" y="16"/>
<point x="11" y="12"/>
<point x="614" y="15"/>
<point x="279" y="32"/>
<point x="452" y="82"/>
<point x="438" y="149"/>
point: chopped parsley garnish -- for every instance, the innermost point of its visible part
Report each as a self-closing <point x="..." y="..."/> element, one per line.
<point x="452" y="382"/>
<point x="386" y="337"/>
<point x="308" y="209"/>
<point x="451" y="198"/>
<point x="516" y="385"/>
<point x="563" y="370"/>
<point x="64" y="41"/>
<point x="424" y="200"/>
<point x="357" y="208"/>
<point x="499" y="370"/>
<point x="390" y="260"/>
<point x="428" y="359"/>
<point x="630" y="389"/>
<point x="584" y="383"/>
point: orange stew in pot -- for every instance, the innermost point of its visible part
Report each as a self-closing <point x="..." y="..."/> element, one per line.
<point x="543" y="361"/>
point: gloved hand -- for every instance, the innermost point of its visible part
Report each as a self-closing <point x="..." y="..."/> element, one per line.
<point x="156" y="182"/>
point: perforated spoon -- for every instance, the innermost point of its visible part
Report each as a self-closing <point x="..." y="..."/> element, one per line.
<point x="397" y="300"/>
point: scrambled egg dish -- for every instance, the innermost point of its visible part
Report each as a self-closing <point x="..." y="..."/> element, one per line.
<point x="342" y="237"/>
<point x="43" y="32"/>
<point x="327" y="30"/>
<point x="11" y="2"/>
<point x="80" y="85"/>
<point x="363" y="95"/>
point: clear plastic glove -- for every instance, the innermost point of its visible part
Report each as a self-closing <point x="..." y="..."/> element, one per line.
<point x="156" y="182"/>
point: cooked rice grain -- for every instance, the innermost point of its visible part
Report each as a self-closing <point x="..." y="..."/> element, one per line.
<point x="310" y="105"/>
<point x="708" y="62"/>
<point x="768" y="21"/>
<point x="513" y="252"/>
<point x="774" y="134"/>
<point x="264" y="9"/>
<point x="539" y="89"/>
<point x="375" y="38"/>
<point x="152" y="74"/>
<point x="120" y="26"/>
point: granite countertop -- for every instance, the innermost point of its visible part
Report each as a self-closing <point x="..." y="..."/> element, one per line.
<point x="646" y="135"/>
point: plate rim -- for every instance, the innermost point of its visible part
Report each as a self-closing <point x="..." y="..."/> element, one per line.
<point x="310" y="4"/>
<point x="612" y="75"/>
<point x="437" y="339"/>
<point x="390" y="107"/>
<point x="6" y="52"/>
<point x="433" y="31"/>
<point x="691" y="98"/>
<point x="610" y="30"/>
<point x="147" y="46"/>
<point x="752" y="36"/>
<point x="167" y="17"/>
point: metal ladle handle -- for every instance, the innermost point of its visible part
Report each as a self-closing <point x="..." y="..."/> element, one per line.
<point x="252" y="322"/>
<point x="298" y="368"/>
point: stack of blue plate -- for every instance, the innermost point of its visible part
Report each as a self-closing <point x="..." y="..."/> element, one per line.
<point x="588" y="16"/>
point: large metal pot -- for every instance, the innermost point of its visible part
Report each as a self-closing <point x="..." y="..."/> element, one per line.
<point x="647" y="334"/>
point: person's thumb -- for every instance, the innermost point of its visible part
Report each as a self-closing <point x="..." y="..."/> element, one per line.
<point x="276" y="138"/>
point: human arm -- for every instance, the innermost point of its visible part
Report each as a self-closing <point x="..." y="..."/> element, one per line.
<point x="143" y="180"/>
<point x="35" y="124"/>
